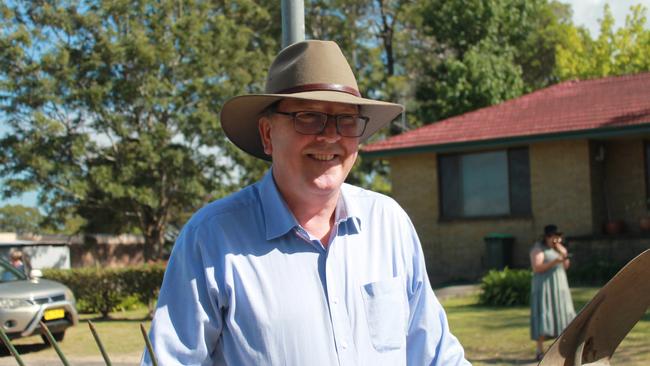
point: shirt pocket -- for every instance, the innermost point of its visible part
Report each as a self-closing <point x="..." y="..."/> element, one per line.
<point x="385" y="303"/>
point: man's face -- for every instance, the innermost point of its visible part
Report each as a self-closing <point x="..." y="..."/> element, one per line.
<point x="308" y="164"/>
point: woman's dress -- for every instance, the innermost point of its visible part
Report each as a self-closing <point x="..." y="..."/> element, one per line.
<point x="551" y="304"/>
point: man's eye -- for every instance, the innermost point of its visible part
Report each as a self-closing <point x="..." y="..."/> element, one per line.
<point x="309" y="117"/>
<point x="347" y="121"/>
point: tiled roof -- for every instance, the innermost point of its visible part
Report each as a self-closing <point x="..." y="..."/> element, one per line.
<point x="562" y="108"/>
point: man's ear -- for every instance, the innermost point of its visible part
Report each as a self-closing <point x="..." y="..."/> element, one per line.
<point x="264" y="128"/>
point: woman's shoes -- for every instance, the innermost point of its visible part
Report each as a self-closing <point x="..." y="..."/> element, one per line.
<point x="539" y="356"/>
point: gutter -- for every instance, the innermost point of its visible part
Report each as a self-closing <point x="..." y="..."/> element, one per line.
<point x="597" y="133"/>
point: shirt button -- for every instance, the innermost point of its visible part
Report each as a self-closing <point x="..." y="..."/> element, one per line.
<point x="335" y="300"/>
<point x="344" y="345"/>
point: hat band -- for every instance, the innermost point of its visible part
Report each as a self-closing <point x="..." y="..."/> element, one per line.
<point x="321" y="87"/>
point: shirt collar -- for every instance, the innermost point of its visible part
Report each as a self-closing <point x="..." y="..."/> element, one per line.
<point x="277" y="216"/>
<point x="347" y="209"/>
<point x="279" y="219"/>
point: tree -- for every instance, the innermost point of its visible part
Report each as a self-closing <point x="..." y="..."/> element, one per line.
<point x="612" y="53"/>
<point x="19" y="219"/>
<point x="113" y="104"/>
<point x="372" y="36"/>
<point x="486" y="52"/>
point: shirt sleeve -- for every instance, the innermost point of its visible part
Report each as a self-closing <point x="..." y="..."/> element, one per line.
<point x="187" y="322"/>
<point x="429" y="340"/>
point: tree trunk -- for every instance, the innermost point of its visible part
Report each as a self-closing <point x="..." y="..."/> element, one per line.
<point x="154" y="241"/>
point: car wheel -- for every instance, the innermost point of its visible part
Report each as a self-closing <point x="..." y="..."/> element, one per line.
<point x="58" y="336"/>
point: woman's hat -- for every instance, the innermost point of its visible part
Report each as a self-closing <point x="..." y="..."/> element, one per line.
<point x="551" y="230"/>
<point x="309" y="70"/>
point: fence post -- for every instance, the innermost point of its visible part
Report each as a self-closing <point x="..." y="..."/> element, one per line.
<point x="154" y="362"/>
<point x="12" y="350"/>
<point x="99" y="343"/>
<point x="48" y="335"/>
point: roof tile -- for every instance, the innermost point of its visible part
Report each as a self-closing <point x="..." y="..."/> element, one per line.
<point x="565" y="107"/>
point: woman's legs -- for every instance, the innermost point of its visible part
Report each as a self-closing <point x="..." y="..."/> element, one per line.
<point x="540" y="347"/>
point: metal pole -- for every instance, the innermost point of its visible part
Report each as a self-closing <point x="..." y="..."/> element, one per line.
<point x="99" y="343"/>
<point x="293" y="22"/>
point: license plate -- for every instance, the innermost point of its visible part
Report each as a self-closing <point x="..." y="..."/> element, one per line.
<point x="52" y="314"/>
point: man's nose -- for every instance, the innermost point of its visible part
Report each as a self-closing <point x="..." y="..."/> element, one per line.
<point x="329" y="133"/>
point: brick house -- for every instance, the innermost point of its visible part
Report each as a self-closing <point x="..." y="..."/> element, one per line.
<point x="576" y="154"/>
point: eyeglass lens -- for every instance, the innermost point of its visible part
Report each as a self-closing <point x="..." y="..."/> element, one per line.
<point x="313" y="123"/>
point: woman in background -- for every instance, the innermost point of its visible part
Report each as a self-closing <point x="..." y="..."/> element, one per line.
<point x="551" y="304"/>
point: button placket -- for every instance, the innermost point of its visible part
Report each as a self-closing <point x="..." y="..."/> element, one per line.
<point x="338" y="313"/>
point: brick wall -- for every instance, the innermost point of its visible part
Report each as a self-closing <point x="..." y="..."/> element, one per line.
<point x="625" y="181"/>
<point x="561" y="186"/>
<point x="455" y="250"/>
<point x="106" y="255"/>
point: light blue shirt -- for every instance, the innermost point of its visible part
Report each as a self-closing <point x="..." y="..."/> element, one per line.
<point x="247" y="285"/>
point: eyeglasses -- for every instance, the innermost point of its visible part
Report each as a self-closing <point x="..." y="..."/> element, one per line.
<point x="313" y="123"/>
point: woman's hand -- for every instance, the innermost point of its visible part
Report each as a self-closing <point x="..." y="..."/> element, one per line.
<point x="537" y="261"/>
<point x="561" y="249"/>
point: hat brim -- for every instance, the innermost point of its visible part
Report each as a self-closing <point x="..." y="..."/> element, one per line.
<point x="240" y="115"/>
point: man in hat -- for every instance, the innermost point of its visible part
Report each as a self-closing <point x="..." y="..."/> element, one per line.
<point x="301" y="268"/>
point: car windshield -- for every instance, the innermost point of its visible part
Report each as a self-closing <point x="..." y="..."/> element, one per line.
<point x="8" y="273"/>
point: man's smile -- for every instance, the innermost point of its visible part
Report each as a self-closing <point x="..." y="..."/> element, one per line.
<point x="322" y="157"/>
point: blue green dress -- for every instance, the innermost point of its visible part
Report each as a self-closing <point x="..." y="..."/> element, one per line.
<point x="551" y="306"/>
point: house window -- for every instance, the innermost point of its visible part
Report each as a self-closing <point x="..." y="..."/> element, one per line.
<point x="494" y="183"/>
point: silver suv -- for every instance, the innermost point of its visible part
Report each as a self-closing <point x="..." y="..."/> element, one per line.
<point x="24" y="302"/>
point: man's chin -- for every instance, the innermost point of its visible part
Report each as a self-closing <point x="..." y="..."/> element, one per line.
<point x="326" y="184"/>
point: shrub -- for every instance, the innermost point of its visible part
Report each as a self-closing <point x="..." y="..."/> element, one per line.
<point x="144" y="282"/>
<point x="506" y="288"/>
<point x="102" y="290"/>
<point x="593" y="273"/>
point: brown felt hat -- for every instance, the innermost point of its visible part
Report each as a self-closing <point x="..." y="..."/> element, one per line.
<point x="308" y="70"/>
<point x="593" y="336"/>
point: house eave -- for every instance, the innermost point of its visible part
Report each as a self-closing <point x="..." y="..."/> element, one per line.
<point x="597" y="133"/>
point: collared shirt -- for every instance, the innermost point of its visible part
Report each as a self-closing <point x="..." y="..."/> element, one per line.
<point x="247" y="285"/>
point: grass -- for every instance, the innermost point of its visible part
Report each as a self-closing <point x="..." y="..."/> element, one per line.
<point x="491" y="336"/>
<point x="120" y="335"/>
<point x="501" y="336"/>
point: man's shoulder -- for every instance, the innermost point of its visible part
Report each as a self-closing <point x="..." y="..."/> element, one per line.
<point x="236" y="204"/>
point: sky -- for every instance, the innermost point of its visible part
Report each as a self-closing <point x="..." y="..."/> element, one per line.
<point x="585" y="13"/>
<point x="588" y="12"/>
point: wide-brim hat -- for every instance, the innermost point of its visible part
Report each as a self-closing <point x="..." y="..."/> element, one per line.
<point x="551" y="230"/>
<point x="308" y="70"/>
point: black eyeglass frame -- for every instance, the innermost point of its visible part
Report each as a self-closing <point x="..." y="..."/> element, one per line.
<point x="336" y="118"/>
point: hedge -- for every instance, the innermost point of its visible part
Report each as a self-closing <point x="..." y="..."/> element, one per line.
<point x="101" y="290"/>
<point x="506" y="288"/>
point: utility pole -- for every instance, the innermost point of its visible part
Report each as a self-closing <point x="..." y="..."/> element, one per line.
<point x="293" y="22"/>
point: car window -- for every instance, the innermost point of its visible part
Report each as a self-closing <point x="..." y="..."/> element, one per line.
<point x="8" y="273"/>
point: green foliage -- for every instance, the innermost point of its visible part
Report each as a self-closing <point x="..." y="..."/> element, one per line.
<point x="102" y="290"/>
<point x="487" y="75"/>
<point x="19" y="219"/>
<point x="485" y="52"/>
<point x="509" y="287"/>
<point x="621" y="52"/>
<point x="594" y="272"/>
<point x="113" y="106"/>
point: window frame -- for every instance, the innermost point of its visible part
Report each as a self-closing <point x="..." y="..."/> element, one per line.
<point x="519" y="215"/>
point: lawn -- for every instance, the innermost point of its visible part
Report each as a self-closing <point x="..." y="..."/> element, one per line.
<point x="120" y="335"/>
<point x="500" y="336"/>
<point x="491" y="336"/>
